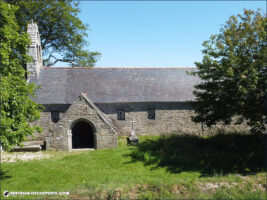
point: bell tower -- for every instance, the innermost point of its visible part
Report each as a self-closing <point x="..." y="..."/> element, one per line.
<point x="35" y="51"/>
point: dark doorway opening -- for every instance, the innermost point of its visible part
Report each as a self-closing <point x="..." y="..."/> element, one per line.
<point x="82" y="135"/>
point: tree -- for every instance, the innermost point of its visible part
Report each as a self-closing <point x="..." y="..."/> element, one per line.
<point x="16" y="107"/>
<point x="63" y="35"/>
<point x="233" y="73"/>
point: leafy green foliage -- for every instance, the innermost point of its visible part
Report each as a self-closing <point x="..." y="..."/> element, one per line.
<point x="234" y="72"/>
<point x="63" y="35"/>
<point x="217" y="154"/>
<point x="17" y="109"/>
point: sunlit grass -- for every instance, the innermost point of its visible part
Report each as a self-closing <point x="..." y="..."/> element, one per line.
<point x="113" y="173"/>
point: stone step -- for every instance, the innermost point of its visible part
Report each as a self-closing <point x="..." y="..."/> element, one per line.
<point x="31" y="148"/>
<point x="33" y="142"/>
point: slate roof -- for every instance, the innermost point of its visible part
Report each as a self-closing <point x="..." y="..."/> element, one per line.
<point x="106" y="85"/>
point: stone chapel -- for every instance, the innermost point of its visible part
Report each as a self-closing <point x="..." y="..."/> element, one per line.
<point x="90" y="107"/>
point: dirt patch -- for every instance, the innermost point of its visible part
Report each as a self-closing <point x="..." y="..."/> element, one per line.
<point x="211" y="186"/>
<point x="23" y="156"/>
<point x="132" y="194"/>
<point x="117" y="193"/>
<point x="176" y="189"/>
<point x="243" y="177"/>
<point x="259" y="186"/>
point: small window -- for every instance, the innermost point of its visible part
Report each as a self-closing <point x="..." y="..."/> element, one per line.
<point x="151" y="114"/>
<point x="55" y="116"/>
<point x="121" y="115"/>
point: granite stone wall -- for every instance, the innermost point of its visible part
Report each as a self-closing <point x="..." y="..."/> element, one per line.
<point x="60" y="137"/>
<point x="45" y="120"/>
<point x="172" y="117"/>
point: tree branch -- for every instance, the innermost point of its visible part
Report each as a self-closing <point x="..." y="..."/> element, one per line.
<point x="59" y="60"/>
<point x="51" y="55"/>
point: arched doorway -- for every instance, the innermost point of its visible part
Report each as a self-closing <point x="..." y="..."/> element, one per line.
<point x="82" y="135"/>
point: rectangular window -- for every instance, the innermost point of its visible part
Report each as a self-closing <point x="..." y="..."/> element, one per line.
<point x="151" y="114"/>
<point x="121" y="115"/>
<point x="55" y="116"/>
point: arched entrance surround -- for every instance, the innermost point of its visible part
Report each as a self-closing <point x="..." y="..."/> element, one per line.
<point x="82" y="134"/>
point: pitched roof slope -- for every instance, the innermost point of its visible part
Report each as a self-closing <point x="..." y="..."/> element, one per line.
<point x="106" y="85"/>
<point x="102" y="115"/>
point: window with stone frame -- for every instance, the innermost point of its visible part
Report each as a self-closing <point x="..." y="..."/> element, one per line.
<point x="151" y="114"/>
<point x="120" y="115"/>
<point x="55" y="116"/>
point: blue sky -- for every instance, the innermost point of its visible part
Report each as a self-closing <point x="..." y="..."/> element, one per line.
<point x="155" y="33"/>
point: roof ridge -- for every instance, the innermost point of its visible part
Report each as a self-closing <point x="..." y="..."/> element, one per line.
<point x="119" y="67"/>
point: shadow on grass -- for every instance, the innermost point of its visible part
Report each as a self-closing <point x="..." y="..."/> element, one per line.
<point x="217" y="154"/>
<point x="3" y="174"/>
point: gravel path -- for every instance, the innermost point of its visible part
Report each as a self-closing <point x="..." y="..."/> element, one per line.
<point x="23" y="156"/>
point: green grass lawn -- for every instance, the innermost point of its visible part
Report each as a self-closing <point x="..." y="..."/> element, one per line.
<point x="218" y="167"/>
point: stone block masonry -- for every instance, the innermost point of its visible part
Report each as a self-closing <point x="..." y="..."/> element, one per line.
<point x="60" y="134"/>
<point x="172" y="117"/>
